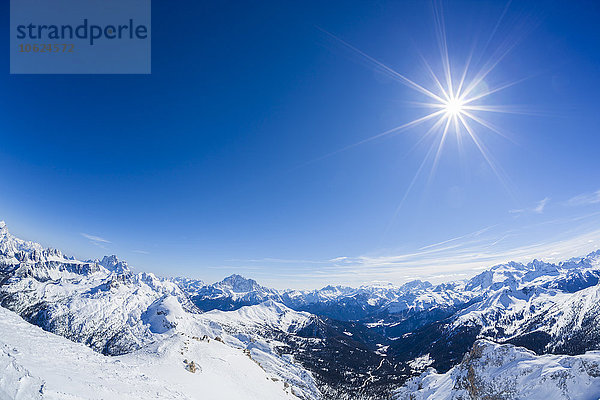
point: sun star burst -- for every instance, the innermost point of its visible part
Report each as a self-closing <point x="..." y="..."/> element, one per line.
<point x="453" y="107"/>
<point x="455" y="102"/>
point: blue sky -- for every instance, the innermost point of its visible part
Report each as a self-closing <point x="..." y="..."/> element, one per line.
<point x="236" y="155"/>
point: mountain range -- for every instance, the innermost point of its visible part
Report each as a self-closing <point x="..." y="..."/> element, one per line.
<point x="535" y="325"/>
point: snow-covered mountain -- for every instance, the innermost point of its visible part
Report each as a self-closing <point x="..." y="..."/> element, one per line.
<point x="333" y="343"/>
<point x="548" y="308"/>
<point x="338" y="302"/>
<point x="397" y="303"/>
<point x="231" y="293"/>
<point x="36" y="364"/>
<point x="107" y="307"/>
<point x="493" y="371"/>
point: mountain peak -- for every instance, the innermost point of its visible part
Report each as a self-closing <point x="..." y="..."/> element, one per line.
<point x="594" y="254"/>
<point x="112" y="263"/>
<point x="238" y="283"/>
<point x="3" y="230"/>
<point x="11" y="245"/>
<point x="4" y="235"/>
<point x="334" y="288"/>
<point x="417" y="284"/>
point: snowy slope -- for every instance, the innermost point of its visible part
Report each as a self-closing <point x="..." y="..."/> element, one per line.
<point x="40" y="365"/>
<point x="492" y="371"/>
<point x="104" y="305"/>
<point x="333" y="343"/>
<point x="269" y="314"/>
<point x="547" y="308"/>
<point x="555" y="302"/>
<point x="251" y="330"/>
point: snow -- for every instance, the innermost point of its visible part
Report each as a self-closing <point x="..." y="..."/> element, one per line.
<point x="9" y="245"/>
<point x="154" y="332"/>
<point x="40" y="365"/>
<point x="504" y="371"/>
<point x="149" y="320"/>
<point x="118" y="315"/>
<point x="269" y="313"/>
<point x="536" y="297"/>
<point x="248" y="328"/>
<point x="421" y="363"/>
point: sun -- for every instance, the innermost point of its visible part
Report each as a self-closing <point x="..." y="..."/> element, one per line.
<point x="453" y="107"/>
<point x="456" y="100"/>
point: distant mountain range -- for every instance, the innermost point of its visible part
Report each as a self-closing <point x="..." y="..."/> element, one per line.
<point x="415" y="341"/>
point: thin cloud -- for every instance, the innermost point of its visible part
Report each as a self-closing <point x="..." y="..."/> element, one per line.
<point x="464" y="260"/>
<point x="472" y="234"/>
<point x="338" y="259"/>
<point x="456" y="258"/>
<point x="585" y="199"/>
<point x="539" y="208"/>
<point x="459" y="257"/>
<point x="95" y="239"/>
<point x="140" y="252"/>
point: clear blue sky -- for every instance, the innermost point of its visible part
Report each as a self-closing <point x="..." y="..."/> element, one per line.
<point x="214" y="163"/>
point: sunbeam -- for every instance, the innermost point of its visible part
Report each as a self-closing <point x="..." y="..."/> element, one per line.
<point x="456" y="100"/>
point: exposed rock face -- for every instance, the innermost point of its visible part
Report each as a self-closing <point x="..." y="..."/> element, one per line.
<point x="505" y="372"/>
<point x="190" y="366"/>
<point x="112" y="263"/>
